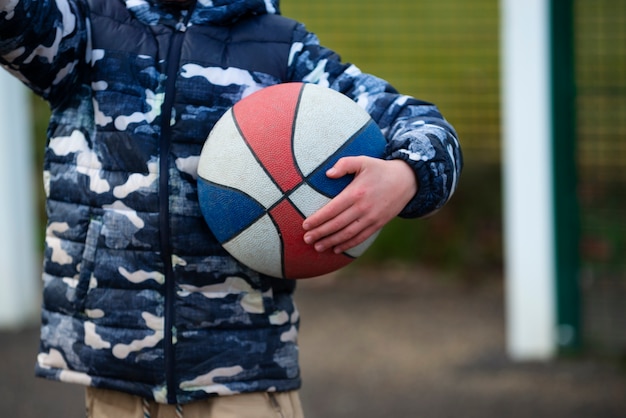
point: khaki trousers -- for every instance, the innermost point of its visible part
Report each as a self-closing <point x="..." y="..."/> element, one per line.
<point x="103" y="403"/>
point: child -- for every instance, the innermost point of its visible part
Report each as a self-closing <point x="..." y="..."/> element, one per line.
<point x="140" y="302"/>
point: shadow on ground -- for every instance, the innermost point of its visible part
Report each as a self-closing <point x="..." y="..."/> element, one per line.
<point x="386" y="344"/>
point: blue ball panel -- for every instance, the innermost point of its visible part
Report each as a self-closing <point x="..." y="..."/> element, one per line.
<point x="369" y="142"/>
<point x="227" y="211"/>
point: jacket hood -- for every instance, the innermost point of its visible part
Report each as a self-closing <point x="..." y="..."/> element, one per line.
<point x="217" y="12"/>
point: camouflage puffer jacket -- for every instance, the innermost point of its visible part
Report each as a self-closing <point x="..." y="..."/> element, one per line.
<point x="137" y="294"/>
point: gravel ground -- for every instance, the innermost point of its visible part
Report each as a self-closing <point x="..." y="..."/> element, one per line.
<point x="386" y="344"/>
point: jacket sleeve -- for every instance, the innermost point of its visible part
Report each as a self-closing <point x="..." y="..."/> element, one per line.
<point x="44" y="43"/>
<point x="415" y="130"/>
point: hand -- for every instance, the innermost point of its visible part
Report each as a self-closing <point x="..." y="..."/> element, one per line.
<point x="378" y="192"/>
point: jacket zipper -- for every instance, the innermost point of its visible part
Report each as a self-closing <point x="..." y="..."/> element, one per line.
<point x="173" y="59"/>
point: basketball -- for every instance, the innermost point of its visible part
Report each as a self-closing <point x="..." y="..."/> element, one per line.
<point x="262" y="171"/>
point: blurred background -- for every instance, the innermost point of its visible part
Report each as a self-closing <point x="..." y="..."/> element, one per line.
<point x="448" y="52"/>
<point x="417" y="327"/>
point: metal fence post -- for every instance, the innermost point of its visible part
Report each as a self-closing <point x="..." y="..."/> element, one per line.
<point x="566" y="213"/>
<point x="527" y="180"/>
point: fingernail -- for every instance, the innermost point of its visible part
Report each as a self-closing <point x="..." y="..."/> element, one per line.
<point x="308" y="239"/>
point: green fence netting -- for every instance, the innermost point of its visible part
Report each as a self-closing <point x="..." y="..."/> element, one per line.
<point x="445" y="52"/>
<point x="600" y="54"/>
<point x="448" y="52"/>
<point x="442" y="51"/>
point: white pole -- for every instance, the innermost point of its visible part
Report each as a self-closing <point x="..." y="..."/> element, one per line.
<point x="527" y="180"/>
<point x="18" y="265"/>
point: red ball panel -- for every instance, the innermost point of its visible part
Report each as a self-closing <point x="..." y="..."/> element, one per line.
<point x="299" y="259"/>
<point x="266" y="121"/>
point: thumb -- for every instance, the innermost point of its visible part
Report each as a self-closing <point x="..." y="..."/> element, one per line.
<point x="345" y="165"/>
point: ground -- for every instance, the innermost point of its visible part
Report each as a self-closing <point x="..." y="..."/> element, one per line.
<point x="402" y="343"/>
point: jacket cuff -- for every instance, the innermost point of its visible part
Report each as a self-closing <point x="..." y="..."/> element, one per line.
<point x="432" y="178"/>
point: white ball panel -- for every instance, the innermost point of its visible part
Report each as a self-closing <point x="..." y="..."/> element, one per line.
<point x="245" y="247"/>
<point x="329" y="118"/>
<point x="224" y="148"/>
<point x="307" y="200"/>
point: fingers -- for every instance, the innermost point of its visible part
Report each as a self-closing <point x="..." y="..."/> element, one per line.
<point x="349" y="237"/>
<point x="331" y="216"/>
<point x="345" y="165"/>
<point x="336" y="231"/>
<point x="331" y="232"/>
<point x="350" y="222"/>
